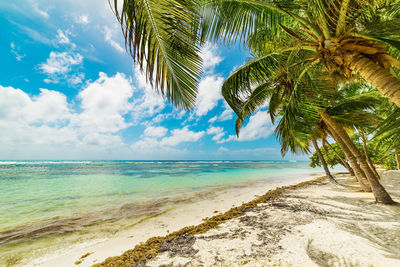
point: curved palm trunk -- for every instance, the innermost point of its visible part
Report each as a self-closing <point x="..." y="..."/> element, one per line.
<point x="344" y="163"/>
<point x="396" y="152"/>
<point x="323" y="162"/>
<point x="359" y="174"/>
<point x="380" y="194"/>
<point x="377" y="76"/>
<point x="325" y="150"/>
<point x="366" y="152"/>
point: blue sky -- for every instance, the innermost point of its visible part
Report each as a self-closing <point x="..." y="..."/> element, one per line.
<point x="68" y="90"/>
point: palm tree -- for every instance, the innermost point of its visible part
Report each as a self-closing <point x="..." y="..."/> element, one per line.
<point x="322" y="159"/>
<point x="249" y="87"/>
<point x="366" y="151"/>
<point x="159" y="36"/>
<point x="388" y="134"/>
<point x="359" y="173"/>
<point x="380" y="193"/>
<point x="361" y="37"/>
<point x="340" y="157"/>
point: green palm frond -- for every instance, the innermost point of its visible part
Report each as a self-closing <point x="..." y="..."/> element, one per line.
<point x="265" y="41"/>
<point x="293" y="135"/>
<point x="388" y="132"/>
<point x="232" y="20"/>
<point x="357" y="119"/>
<point x="355" y="103"/>
<point x="255" y="101"/>
<point x="239" y="85"/>
<point x="159" y="36"/>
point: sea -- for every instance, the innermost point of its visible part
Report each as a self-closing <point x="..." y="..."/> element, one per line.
<point x="45" y="205"/>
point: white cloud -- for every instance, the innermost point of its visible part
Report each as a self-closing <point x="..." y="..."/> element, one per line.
<point x="14" y="50"/>
<point x="40" y="11"/>
<point x="48" y="119"/>
<point x="62" y="37"/>
<point x="153" y="131"/>
<point x="210" y="85"/>
<point x="259" y="126"/>
<point x="63" y="66"/>
<point x="209" y="94"/>
<point x="226" y="115"/>
<point x="34" y="120"/>
<point x="149" y="103"/>
<point x="260" y="152"/>
<point x="209" y="54"/>
<point x="180" y="136"/>
<point x="100" y="141"/>
<point x="174" y="114"/>
<point x="146" y="144"/>
<point x="152" y="142"/>
<point x="60" y="62"/>
<point x="76" y="79"/>
<point x="108" y="34"/>
<point x="83" y="19"/>
<point x="218" y="133"/>
<point x="47" y="107"/>
<point x="104" y="102"/>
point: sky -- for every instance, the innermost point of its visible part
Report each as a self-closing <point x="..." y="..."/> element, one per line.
<point x="69" y="90"/>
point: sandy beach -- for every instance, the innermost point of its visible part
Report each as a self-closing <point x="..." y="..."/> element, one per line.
<point x="191" y="212"/>
<point x="317" y="225"/>
<point x="314" y="225"/>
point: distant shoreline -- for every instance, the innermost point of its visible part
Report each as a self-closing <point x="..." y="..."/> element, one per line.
<point x="161" y="160"/>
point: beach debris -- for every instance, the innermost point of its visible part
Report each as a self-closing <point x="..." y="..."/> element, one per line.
<point x="181" y="245"/>
<point x="82" y="258"/>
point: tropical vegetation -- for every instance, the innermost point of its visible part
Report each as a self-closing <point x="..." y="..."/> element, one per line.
<point x="326" y="70"/>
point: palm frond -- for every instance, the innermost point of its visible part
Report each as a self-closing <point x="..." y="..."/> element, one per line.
<point x="160" y="38"/>
<point x="233" y="20"/>
<point x="355" y="103"/>
<point x="239" y="85"/>
<point x="255" y="101"/>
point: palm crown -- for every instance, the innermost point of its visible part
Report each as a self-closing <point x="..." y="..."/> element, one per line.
<point x="345" y="37"/>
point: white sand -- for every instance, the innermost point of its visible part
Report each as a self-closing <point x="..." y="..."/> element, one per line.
<point x="173" y="220"/>
<point x="318" y="225"/>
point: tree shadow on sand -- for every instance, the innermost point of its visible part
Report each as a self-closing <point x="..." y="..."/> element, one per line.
<point x="366" y="220"/>
<point x="326" y="259"/>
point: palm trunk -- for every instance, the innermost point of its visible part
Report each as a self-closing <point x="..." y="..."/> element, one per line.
<point x="380" y="194"/>
<point x="326" y="150"/>
<point x="377" y="76"/>
<point x="342" y="160"/>
<point x="366" y="152"/>
<point x="396" y="152"/>
<point x="359" y="174"/>
<point x="323" y="162"/>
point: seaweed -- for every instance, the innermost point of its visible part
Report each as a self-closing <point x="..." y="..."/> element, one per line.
<point x="149" y="249"/>
<point x="82" y="258"/>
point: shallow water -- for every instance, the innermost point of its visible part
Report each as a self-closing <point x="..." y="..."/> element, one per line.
<point x="45" y="201"/>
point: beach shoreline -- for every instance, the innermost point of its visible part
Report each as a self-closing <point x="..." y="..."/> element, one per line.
<point x="317" y="224"/>
<point x="188" y="213"/>
<point x="307" y="222"/>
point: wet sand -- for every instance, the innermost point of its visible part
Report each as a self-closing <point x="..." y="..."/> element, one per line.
<point x="188" y="212"/>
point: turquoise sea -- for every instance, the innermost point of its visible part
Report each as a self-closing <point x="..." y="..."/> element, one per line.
<point x="43" y="201"/>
